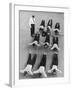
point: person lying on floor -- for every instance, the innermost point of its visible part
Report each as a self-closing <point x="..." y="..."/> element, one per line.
<point x="55" y="45"/>
<point x="46" y="43"/>
<point x="57" y="28"/>
<point x="54" y="64"/>
<point x="49" y="26"/>
<point x="36" y="39"/>
<point x="30" y="63"/>
<point x="48" y="32"/>
<point x="42" y="65"/>
<point x="42" y="28"/>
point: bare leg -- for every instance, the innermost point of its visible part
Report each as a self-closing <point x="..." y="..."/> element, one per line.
<point x="34" y="42"/>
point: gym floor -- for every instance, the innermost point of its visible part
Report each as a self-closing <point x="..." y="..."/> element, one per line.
<point x="25" y="39"/>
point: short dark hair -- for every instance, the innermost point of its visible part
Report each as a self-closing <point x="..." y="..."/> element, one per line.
<point x="57" y="25"/>
<point x="43" y="23"/>
<point x="33" y="16"/>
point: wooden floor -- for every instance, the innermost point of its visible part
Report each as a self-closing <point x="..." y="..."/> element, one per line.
<point x="37" y="76"/>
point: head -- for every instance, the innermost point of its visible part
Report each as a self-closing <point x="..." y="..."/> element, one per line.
<point x="43" y="23"/>
<point x="33" y="16"/>
<point x="57" y="25"/>
<point x="50" y="23"/>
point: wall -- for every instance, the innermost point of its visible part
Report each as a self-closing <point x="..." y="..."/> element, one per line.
<point x="4" y="43"/>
